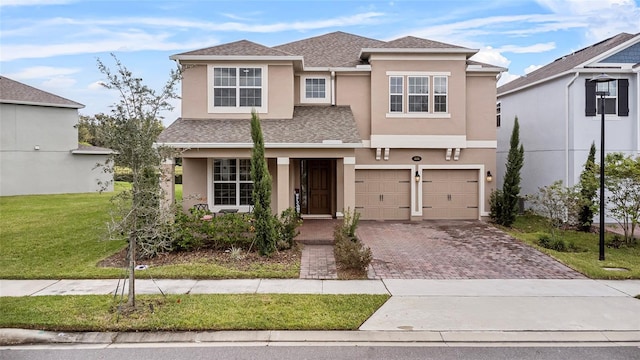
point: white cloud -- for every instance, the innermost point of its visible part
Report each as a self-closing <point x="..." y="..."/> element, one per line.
<point x="491" y="56"/>
<point x="532" y="68"/>
<point x="40" y="72"/>
<point x="34" y="2"/>
<point x="96" y="85"/>
<point x="59" y="82"/>
<point x="507" y="77"/>
<point x="535" y="48"/>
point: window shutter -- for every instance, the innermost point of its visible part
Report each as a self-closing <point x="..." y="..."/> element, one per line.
<point x="623" y="97"/>
<point x="590" y="98"/>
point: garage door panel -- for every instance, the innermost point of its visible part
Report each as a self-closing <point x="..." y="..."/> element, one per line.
<point x="450" y="194"/>
<point x="383" y="194"/>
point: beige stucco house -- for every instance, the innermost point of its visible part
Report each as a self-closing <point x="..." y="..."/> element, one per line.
<point x="398" y="130"/>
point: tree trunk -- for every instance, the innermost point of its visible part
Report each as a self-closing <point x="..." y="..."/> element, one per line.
<point x="131" y="302"/>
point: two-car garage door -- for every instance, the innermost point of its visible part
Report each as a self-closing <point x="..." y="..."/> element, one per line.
<point x="446" y="194"/>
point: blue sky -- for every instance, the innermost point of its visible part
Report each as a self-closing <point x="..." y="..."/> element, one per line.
<point x="53" y="44"/>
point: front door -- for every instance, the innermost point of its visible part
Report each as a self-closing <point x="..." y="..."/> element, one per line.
<point x="319" y="177"/>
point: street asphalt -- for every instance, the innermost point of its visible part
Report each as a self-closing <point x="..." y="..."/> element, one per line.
<point x="446" y="311"/>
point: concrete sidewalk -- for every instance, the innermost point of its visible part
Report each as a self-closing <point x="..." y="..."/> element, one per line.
<point x="513" y="310"/>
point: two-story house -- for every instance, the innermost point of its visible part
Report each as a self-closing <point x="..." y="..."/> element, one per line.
<point x="559" y="111"/>
<point x="39" y="150"/>
<point x="398" y="130"/>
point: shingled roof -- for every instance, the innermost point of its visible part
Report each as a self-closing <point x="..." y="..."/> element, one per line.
<point x="412" y="42"/>
<point x="333" y="49"/>
<point x="238" y="48"/>
<point x="310" y="125"/>
<point x="14" y="92"/>
<point x="565" y="63"/>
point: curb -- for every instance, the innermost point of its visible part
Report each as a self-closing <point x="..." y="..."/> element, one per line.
<point x="14" y="337"/>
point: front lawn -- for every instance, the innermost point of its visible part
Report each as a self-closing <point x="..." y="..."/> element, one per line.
<point x="191" y="312"/>
<point x="528" y="228"/>
<point x="64" y="236"/>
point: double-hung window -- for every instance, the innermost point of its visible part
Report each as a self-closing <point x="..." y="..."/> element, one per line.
<point x="396" y="91"/>
<point x="236" y="89"/>
<point x="616" y="97"/>
<point x="610" y="90"/>
<point x="418" y="94"/>
<point x="232" y="185"/>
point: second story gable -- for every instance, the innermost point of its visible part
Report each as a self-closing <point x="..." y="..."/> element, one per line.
<point x="400" y="88"/>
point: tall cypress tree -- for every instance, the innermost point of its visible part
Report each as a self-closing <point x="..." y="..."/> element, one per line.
<point x="588" y="190"/>
<point x="511" y="186"/>
<point x="264" y="220"/>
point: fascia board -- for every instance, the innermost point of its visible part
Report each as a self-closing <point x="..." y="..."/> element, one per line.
<point x="266" y="145"/>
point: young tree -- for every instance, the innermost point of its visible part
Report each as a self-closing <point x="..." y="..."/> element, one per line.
<point x="588" y="191"/>
<point x="264" y="219"/>
<point x="558" y="204"/>
<point x="504" y="203"/>
<point x="132" y="131"/>
<point x="622" y="182"/>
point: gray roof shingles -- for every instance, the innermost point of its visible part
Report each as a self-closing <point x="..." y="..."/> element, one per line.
<point x="309" y="125"/>
<point x="566" y="63"/>
<point x="15" y="92"/>
<point x="238" y="48"/>
<point x="412" y="42"/>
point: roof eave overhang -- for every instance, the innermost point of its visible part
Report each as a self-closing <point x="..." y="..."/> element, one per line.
<point x="35" y="103"/>
<point x="493" y="69"/>
<point x="362" y="68"/>
<point x="585" y="70"/>
<point x="328" y="145"/>
<point x="235" y="58"/>
<point x="94" y="152"/>
<point x="366" y="52"/>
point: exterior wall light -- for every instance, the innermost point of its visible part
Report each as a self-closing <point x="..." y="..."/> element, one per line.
<point x="489" y="176"/>
<point x="417" y="176"/>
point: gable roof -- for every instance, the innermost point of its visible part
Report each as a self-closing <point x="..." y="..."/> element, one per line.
<point x="238" y="48"/>
<point x="336" y="49"/>
<point x="14" y="92"/>
<point x="412" y="42"/>
<point x="565" y="63"/>
<point x="311" y="126"/>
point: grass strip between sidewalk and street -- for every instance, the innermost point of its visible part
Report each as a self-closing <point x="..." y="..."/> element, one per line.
<point x="190" y="312"/>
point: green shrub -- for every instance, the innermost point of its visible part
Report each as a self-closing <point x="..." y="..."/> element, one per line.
<point x="193" y="232"/>
<point x="349" y="251"/>
<point x="287" y="228"/>
<point x="557" y="244"/>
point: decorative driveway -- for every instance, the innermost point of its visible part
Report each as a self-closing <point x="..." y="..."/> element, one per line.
<point x="454" y="250"/>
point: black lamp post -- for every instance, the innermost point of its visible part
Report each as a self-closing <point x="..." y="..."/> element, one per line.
<point x="602" y="78"/>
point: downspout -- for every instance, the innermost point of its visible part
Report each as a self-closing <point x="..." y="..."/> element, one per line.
<point x="333" y="88"/>
<point x="566" y="129"/>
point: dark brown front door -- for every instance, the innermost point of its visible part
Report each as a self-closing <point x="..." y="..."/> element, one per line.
<point x="319" y="186"/>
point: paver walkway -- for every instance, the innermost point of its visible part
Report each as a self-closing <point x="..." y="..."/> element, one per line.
<point x="454" y="250"/>
<point x="318" y="262"/>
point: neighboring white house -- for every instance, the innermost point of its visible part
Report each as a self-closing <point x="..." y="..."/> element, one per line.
<point x="559" y="114"/>
<point x="39" y="151"/>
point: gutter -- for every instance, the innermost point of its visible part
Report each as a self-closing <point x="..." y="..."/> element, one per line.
<point x="567" y="114"/>
<point x="637" y="71"/>
<point x="333" y="88"/>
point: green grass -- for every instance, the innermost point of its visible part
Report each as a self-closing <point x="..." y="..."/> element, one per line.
<point x="528" y="228"/>
<point x="64" y="237"/>
<point x="191" y="312"/>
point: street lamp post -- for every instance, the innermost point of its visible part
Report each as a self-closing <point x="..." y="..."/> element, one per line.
<point x="602" y="78"/>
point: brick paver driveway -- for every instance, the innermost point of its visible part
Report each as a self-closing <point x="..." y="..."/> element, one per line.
<point x="453" y="250"/>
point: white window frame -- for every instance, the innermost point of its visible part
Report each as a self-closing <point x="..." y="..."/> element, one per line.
<point x="211" y="188"/>
<point x="600" y="87"/>
<point x="401" y="94"/>
<point x="237" y="109"/>
<point x="446" y="94"/>
<point x="419" y="94"/>
<point x="327" y="89"/>
<point x="405" y="100"/>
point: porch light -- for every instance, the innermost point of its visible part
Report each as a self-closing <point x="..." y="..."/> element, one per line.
<point x="417" y="176"/>
<point x="489" y="176"/>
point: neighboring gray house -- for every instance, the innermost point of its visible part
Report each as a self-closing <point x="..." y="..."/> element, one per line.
<point x="39" y="152"/>
<point x="559" y="112"/>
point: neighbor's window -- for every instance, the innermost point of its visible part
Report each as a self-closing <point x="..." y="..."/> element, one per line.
<point x="498" y="113"/>
<point x="610" y="100"/>
<point x="232" y="183"/>
<point x="237" y="89"/>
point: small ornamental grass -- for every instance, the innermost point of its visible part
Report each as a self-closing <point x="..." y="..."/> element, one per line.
<point x="350" y="253"/>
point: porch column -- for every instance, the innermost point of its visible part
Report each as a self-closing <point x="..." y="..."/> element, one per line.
<point x="349" y="183"/>
<point x="168" y="185"/>
<point x="283" y="184"/>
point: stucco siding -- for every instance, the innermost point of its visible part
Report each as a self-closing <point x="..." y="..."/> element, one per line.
<point x="480" y="107"/>
<point x="354" y="90"/>
<point x="22" y="127"/>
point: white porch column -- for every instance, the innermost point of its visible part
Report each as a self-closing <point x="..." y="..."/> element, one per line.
<point x="283" y="184"/>
<point x="349" y="183"/>
<point x="168" y="185"/>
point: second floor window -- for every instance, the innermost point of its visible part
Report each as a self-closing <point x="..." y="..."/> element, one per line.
<point x="418" y="94"/>
<point x="315" y="88"/>
<point x="237" y="88"/>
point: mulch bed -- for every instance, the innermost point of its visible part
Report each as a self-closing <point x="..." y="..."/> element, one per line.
<point x="220" y="257"/>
